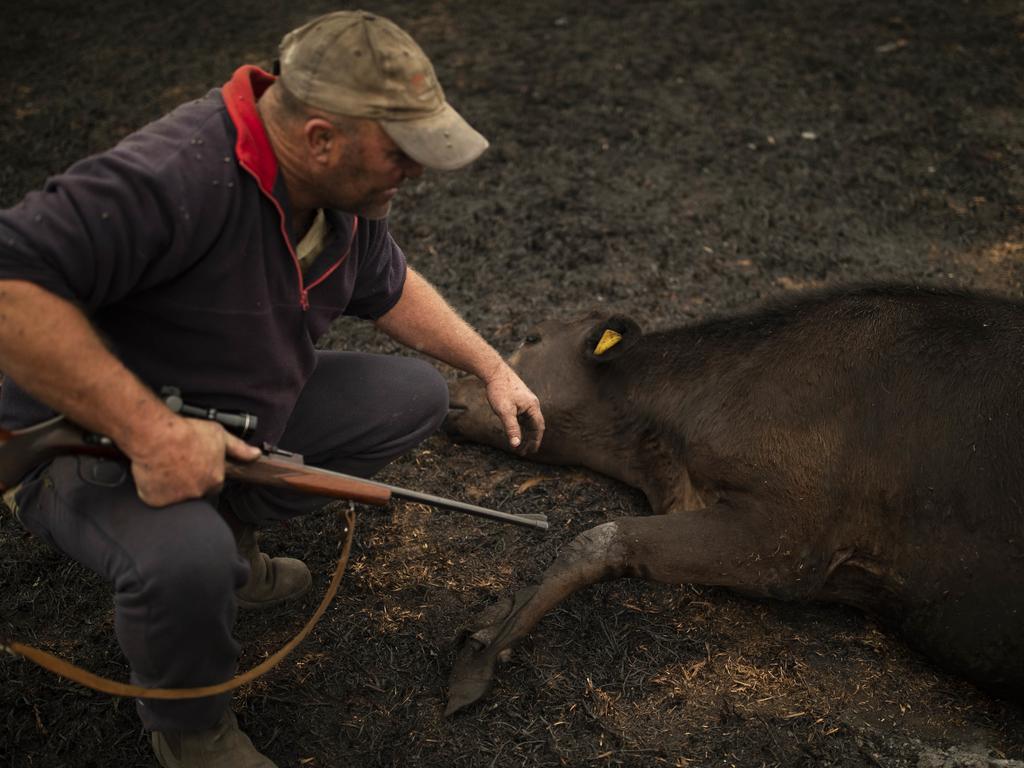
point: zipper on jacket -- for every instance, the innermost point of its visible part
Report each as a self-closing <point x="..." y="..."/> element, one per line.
<point x="282" y="224"/>
<point x="331" y="269"/>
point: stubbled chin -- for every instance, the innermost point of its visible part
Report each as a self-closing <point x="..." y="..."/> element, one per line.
<point x="376" y="212"/>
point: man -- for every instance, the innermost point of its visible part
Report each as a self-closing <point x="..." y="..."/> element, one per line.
<point x="209" y="251"/>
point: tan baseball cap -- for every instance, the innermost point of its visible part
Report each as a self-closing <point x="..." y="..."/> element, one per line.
<point x="362" y="65"/>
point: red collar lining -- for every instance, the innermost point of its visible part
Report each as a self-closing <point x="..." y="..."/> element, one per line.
<point x="252" y="147"/>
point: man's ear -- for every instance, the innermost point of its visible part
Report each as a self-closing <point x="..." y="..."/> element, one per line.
<point x="610" y="337"/>
<point x="321" y="137"/>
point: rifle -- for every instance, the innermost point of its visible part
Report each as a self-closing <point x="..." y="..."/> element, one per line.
<point x="22" y="449"/>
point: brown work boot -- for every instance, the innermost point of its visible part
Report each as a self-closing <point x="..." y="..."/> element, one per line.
<point x="223" y="746"/>
<point x="272" y="580"/>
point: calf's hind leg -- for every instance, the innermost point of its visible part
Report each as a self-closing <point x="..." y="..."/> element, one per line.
<point x="716" y="546"/>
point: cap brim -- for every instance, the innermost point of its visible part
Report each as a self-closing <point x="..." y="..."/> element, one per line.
<point x="444" y="141"/>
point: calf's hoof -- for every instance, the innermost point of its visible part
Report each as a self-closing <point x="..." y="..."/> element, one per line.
<point x="471" y="676"/>
<point x="484" y="644"/>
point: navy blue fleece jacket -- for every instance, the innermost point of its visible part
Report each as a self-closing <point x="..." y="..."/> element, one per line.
<point x="177" y="244"/>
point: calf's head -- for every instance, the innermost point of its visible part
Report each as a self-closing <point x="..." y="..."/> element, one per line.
<point x="565" y="364"/>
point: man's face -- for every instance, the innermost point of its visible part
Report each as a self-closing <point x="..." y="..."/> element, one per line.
<point x="364" y="174"/>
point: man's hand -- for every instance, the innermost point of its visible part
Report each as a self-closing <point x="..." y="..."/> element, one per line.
<point x="187" y="461"/>
<point x="517" y="408"/>
<point x="423" y="321"/>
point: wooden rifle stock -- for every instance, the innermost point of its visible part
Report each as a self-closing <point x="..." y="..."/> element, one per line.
<point x="23" y="449"/>
<point x="286" y="472"/>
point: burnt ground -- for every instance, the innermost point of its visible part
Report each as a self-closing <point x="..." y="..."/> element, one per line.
<point x="669" y="159"/>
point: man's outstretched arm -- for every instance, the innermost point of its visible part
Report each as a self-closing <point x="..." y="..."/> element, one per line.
<point x="423" y="320"/>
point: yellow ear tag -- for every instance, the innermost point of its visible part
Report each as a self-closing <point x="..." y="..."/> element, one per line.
<point x="608" y="340"/>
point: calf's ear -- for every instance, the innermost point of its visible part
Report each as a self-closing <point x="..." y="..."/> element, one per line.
<point x="610" y="337"/>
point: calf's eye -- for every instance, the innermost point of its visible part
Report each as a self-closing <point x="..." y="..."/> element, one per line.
<point x="532" y="338"/>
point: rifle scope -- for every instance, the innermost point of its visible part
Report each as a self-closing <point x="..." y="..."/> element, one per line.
<point x="240" y="423"/>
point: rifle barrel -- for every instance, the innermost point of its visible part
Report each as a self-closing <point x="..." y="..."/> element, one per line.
<point x="293" y="471"/>
<point x="529" y="520"/>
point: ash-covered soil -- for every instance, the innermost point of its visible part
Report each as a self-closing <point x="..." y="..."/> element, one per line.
<point x="669" y="159"/>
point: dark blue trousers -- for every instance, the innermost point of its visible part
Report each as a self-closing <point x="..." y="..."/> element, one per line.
<point x="175" y="570"/>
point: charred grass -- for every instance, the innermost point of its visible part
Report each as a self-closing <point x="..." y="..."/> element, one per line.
<point x="664" y="159"/>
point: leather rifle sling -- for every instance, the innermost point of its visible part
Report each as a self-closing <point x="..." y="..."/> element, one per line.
<point x="68" y="670"/>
